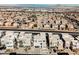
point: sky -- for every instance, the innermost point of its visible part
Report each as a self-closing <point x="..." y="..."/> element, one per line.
<point x="41" y="5"/>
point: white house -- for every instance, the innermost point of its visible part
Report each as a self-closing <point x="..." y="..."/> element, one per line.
<point x="53" y="39"/>
<point x="67" y="38"/>
<point x="25" y="38"/>
<point x="40" y="40"/>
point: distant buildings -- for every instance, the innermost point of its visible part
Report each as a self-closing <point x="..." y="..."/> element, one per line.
<point x="30" y="18"/>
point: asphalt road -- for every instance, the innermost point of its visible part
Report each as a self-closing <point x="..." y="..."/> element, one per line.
<point x="41" y="30"/>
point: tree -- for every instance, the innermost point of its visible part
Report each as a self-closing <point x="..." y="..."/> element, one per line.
<point x="27" y="48"/>
<point x="15" y="43"/>
<point x="33" y="16"/>
<point x="20" y="43"/>
<point x="35" y="25"/>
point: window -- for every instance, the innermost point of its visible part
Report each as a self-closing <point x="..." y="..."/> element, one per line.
<point x="10" y="46"/>
<point x="41" y="44"/>
<point x="39" y="41"/>
<point x="35" y="40"/>
<point x="36" y="46"/>
<point x="7" y="43"/>
<point x="43" y="40"/>
<point x="54" y="21"/>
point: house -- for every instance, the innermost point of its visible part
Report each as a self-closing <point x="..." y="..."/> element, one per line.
<point x="60" y="45"/>
<point x="40" y="40"/>
<point x="53" y="40"/>
<point x="9" y="44"/>
<point x="8" y="41"/>
<point x="25" y="38"/>
<point x="75" y="44"/>
<point x="67" y="38"/>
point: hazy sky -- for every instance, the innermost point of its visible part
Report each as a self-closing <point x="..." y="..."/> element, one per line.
<point x="40" y="5"/>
